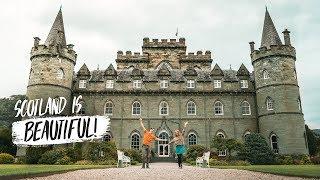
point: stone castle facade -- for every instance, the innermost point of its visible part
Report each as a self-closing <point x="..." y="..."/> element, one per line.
<point x="167" y="86"/>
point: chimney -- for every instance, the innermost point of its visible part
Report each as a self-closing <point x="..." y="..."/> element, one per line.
<point x="251" y="46"/>
<point x="286" y="36"/>
<point x="36" y="41"/>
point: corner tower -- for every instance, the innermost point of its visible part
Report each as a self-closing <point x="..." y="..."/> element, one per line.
<point x="52" y="65"/>
<point x="280" y="116"/>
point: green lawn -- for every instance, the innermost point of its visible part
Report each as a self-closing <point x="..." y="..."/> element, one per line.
<point x="23" y="170"/>
<point x="287" y="170"/>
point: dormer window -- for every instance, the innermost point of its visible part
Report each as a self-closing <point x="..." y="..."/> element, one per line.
<point x="191" y="84"/>
<point x="244" y="84"/>
<point x="109" y="84"/>
<point x="82" y="84"/>
<point x="164" y="84"/>
<point x="217" y="83"/>
<point x="137" y="84"/>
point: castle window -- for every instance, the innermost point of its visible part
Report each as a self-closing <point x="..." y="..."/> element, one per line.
<point x="299" y="104"/>
<point x="269" y="102"/>
<point x="107" y="137"/>
<point x="83" y="109"/>
<point x="245" y="107"/>
<point x="164" y="84"/>
<point x="60" y="73"/>
<point x="109" y="84"/>
<point x="244" y="84"/>
<point x="82" y="84"/>
<point x="218" y="108"/>
<point x="135" y="141"/>
<point x="265" y="74"/>
<point x="137" y="84"/>
<point x="274" y="143"/>
<point x="221" y="152"/>
<point x="217" y="83"/>
<point x="191" y="108"/>
<point x="246" y="134"/>
<point x="163" y="108"/>
<point x="136" y="108"/>
<point x="192" y="139"/>
<point x="191" y="84"/>
<point x="108" y="107"/>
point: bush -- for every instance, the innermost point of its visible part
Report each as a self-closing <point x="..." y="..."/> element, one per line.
<point x="315" y="160"/>
<point x="134" y="162"/>
<point x="239" y="163"/>
<point x="305" y="159"/>
<point x="107" y="162"/>
<point x="74" y="152"/>
<point x="6" y="158"/>
<point x="195" y="151"/>
<point x="63" y="161"/>
<point x="284" y="159"/>
<point x="101" y="151"/>
<point x="216" y="162"/>
<point x="256" y="150"/>
<point x="191" y="162"/>
<point x="33" y="154"/>
<point x="135" y="155"/>
<point x="21" y="160"/>
<point x="52" y="156"/>
<point x="83" y="162"/>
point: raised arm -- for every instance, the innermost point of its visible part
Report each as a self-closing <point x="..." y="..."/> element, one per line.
<point x="141" y="124"/>
<point x="184" y="127"/>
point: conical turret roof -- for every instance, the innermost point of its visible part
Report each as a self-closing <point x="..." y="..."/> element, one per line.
<point x="270" y="35"/>
<point x="57" y="34"/>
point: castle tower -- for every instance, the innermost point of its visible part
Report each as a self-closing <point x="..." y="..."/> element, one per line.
<point x="52" y="65"/>
<point x="280" y="116"/>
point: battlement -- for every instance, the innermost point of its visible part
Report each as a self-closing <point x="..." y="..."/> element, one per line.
<point x="66" y="52"/>
<point x="129" y="56"/>
<point x="199" y="56"/>
<point x="274" y="50"/>
<point x="164" y="43"/>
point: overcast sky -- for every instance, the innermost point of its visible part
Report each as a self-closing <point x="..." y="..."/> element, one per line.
<point x="98" y="29"/>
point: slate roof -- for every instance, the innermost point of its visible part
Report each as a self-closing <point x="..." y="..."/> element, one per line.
<point x="270" y="35"/>
<point x="56" y="34"/>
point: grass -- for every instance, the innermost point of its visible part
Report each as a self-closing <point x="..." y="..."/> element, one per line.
<point x="311" y="171"/>
<point x="29" y="170"/>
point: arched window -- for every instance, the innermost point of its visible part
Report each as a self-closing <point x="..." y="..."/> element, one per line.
<point x="136" y="108"/>
<point x="218" y="108"/>
<point x="192" y="139"/>
<point x="269" y="103"/>
<point x="108" y="107"/>
<point x="107" y="137"/>
<point x="274" y="143"/>
<point x="221" y="152"/>
<point x="266" y="74"/>
<point x="299" y="104"/>
<point x="246" y="134"/>
<point x="60" y="73"/>
<point x="135" y="141"/>
<point x="163" y="108"/>
<point x="191" y="108"/>
<point x="83" y="108"/>
<point x="245" y="108"/>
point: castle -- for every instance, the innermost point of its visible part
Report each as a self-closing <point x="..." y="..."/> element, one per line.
<point x="167" y="86"/>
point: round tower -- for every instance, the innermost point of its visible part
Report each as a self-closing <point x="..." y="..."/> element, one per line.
<point x="52" y="65"/>
<point x="280" y="116"/>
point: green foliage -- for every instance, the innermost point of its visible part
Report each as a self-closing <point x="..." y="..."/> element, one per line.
<point x="52" y="156"/>
<point x="216" y="162"/>
<point x="83" y="162"/>
<point x="6" y="158"/>
<point x="191" y="162"/>
<point x="74" y="152"/>
<point x="135" y="155"/>
<point x="256" y="150"/>
<point x="6" y="145"/>
<point x="284" y="159"/>
<point x="195" y="151"/>
<point x="315" y="160"/>
<point x="107" y="162"/>
<point x="94" y="151"/>
<point x="313" y="142"/>
<point x="63" y="161"/>
<point x="7" y="112"/>
<point x="231" y="145"/>
<point x="33" y="154"/>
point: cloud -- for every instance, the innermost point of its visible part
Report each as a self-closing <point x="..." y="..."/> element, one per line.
<point x="98" y="29"/>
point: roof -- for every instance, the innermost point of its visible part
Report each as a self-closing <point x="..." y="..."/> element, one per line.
<point x="270" y="35"/>
<point x="57" y="34"/>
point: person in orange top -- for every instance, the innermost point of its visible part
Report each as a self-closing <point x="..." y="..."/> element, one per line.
<point x="148" y="139"/>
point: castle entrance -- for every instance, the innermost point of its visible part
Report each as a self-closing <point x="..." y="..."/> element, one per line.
<point x="163" y="146"/>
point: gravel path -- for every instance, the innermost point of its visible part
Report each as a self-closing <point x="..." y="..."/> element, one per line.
<point x="163" y="171"/>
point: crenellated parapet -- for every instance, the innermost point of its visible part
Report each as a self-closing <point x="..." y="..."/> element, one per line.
<point x="53" y="50"/>
<point x="131" y="57"/>
<point x="164" y="43"/>
<point x="274" y="50"/>
<point x="197" y="57"/>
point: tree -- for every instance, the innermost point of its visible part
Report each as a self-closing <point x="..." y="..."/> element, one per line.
<point x="6" y="145"/>
<point x="7" y="112"/>
<point x="231" y="145"/>
<point x="313" y="142"/>
<point x="257" y="151"/>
